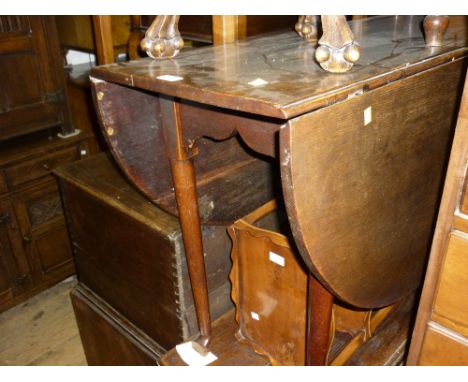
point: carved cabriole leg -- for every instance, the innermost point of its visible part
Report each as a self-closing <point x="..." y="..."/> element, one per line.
<point x="162" y="39"/>
<point x="306" y="27"/>
<point x="319" y="316"/>
<point x="434" y="29"/>
<point x="183" y="175"/>
<point x="337" y="51"/>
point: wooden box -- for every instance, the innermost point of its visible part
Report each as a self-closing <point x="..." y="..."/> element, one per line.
<point x="130" y="253"/>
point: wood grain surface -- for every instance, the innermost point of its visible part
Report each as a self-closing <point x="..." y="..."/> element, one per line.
<point x="361" y="195"/>
<point x="293" y="83"/>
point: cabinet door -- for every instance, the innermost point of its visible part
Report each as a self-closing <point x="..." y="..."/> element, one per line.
<point x="14" y="271"/>
<point x="43" y="231"/>
<point x="32" y="95"/>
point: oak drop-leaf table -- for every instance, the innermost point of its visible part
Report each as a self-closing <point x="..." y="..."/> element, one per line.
<point x="361" y="155"/>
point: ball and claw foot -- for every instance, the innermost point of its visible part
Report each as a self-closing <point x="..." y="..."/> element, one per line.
<point x="162" y="39"/>
<point x="306" y="27"/>
<point x="162" y="47"/>
<point x="337" y="51"/>
<point x="337" y="60"/>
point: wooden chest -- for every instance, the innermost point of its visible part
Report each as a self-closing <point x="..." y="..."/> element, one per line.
<point x="130" y="253"/>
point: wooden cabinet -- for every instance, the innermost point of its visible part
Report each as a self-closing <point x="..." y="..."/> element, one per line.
<point x="35" y="249"/>
<point x="34" y="245"/>
<point x="440" y="336"/>
<point x="32" y="95"/>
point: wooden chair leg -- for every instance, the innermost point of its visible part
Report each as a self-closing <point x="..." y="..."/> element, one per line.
<point x="338" y="51"/>
<point x="306" y="27"/>
<point x="319" y="315"/>
<point x="434" y="29"/>
<point x="162" y="39"/>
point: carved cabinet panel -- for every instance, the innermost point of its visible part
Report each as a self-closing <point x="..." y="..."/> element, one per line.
<point x="43" y="233"/>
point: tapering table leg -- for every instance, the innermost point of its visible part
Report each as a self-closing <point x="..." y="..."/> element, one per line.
<point x="319" y="314"/>
<point x="183" y="175"/>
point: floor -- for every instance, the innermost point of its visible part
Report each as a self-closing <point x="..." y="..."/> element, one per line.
<point x="42" y="330"/>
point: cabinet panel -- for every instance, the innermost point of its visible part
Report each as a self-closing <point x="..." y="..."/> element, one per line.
<point x="453" y="284"/>
<point x="53" y="250"/>
<point x="23" y="87"/>
<point x="42" y="227"/>
<point x="33" y="84"/>
<point x="442" y="349"/>
<point x="14" y="270"/>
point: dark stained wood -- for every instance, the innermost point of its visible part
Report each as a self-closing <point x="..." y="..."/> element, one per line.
<point x="224" y="345"/>
<point x="307" y="27"/>
<point x="228" y="28"/>
<point x="244" y="177"/>
<point x="200" y="27"/>
<point x="378" y="235"/>
<point x="319" y="315"/>
<point x="34" y="244"/>
<point x="185" y="189"/>
<point x="392" y="48"/>
<point x="337" y="51"/>
<point x="388" y="345"/>
<point x="76" y="32"/>
<point x="441" y="329"/>
<point x="434" y="29"/>
<point x="389" y="339"/>
<point x="108" y="338"/>
<point x="33" y="86"/>
<point x="137" y="263"/>
<point x="364" y="197"/>
<point x="102" y="25"/>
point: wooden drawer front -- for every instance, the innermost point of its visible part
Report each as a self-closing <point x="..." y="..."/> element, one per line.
<point x="441" y="348"/>
<point x="38" y="167"/>
<point x="102" y="328"/>
<point x="450" y="302"/>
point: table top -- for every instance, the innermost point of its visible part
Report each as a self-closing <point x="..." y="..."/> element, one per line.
<point x="277" y="76"/>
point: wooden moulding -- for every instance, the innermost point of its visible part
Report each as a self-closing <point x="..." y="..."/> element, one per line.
<point x="269" y="289"/>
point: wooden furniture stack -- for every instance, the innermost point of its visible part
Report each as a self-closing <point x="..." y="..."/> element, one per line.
<point x="440" y="336"/>
<point x="134" y="294"/>
<point x="34" y="245"/>
<point x="361" y="155"/>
